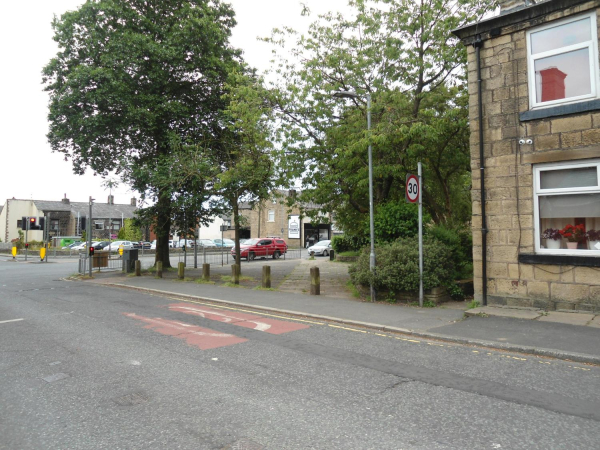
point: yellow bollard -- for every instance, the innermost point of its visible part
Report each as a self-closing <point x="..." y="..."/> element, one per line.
<point x="42" y="253"/>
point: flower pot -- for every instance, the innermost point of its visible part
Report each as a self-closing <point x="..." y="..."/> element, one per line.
<point x="594" y="245"/>
<point x="553" y="244"/>
<point x="572" y="245"/>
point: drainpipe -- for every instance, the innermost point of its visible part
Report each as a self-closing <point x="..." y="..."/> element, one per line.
<point x="478" y="44"/>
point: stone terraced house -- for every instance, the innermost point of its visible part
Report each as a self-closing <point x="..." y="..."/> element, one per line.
<point x="534" y="85"/>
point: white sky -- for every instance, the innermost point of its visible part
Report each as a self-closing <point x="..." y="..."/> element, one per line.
<point x="28" y="168"/>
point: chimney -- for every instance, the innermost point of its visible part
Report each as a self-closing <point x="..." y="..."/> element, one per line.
<point x="111" y="199"/>
<point x="66" y="200"/>
<point x="507" y="6"/>
<point x="553" y="84"/>
<point x="133" y="201"/>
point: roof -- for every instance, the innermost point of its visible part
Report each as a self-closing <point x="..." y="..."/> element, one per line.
<point x="493" y="26"/>
<point x="99" y="210"/>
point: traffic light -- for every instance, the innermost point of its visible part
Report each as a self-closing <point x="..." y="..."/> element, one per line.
<point x="42" y="223"/>
<point x="32" y="223"/>
<point x="92" y="251"/>
<point x="23" y="223"/>
<point x="26" y="244"/>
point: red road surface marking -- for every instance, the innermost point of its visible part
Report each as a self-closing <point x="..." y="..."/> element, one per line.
<point x="255" y="322"/>
<point x="202" y="338"/>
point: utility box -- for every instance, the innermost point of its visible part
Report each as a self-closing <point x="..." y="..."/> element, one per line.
<point x="130" y="256"/>
<point x="331" y="255"/>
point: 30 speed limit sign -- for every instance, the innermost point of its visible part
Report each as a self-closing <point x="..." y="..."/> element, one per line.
<point x="413" y="189"/>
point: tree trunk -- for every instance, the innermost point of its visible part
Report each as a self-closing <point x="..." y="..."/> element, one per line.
<point x="236" y="222"/>
<point x="163" y="228"/>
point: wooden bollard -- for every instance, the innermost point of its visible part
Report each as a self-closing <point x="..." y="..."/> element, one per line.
<point x="138" y="268"/>
<point x="180" y="270"/>
<point x="159" y="269"/>
<point x="235" y="273"/>
<point x="206" y="272"/>
<point x="266" y="277"/>
<point x="315" y="281"/>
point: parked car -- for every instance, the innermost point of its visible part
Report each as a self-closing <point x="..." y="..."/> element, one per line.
<point x="83" y="245"/>
<point x="261" y="248"/>
<point x="206" y="243"/>
<point x="71" y="245"/>
<point x="143" y="244"/>
<point x="224" y="242"/>
<point x="321" y="248"/>
<point x="114" y="246"/>
<point x="100" y="245"/>
<point x="153" y="244"/>
<point x="187" y="243"/>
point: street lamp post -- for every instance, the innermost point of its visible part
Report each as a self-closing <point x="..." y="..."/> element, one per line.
<point x="350" y="94"/>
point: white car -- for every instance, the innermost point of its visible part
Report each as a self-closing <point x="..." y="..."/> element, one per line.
<point x="114" y="246"/>
<point x="153" y="245"/>
<point x="322" y="248"/>
<point x="207" y="243"/>
<point x="83" y="245"/>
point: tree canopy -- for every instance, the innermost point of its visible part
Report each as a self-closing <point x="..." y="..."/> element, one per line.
<point x="402" y="54"/>
<point x="132" y="82"/>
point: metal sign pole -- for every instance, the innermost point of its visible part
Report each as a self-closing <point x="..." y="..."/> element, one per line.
<point x="26" y="238"/>
<point x="419" y="173"/>
<point x="89" y="237"/>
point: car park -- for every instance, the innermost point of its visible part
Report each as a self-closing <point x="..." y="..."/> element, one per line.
<point x="206" y="243"/>
<point x="224" y="242"/>
<point x="321" y="248"/>
<point x="114" y="246"/>
<point x="71" y="245"/>
<point x="261" y="248"/>
<point x="100" y="245"/>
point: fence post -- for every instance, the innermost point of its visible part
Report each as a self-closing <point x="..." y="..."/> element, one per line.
<point x="181" y="270"/>
<point x="138" y="268"/>
<point x="266" y="277"/>
<point x="206" y="272"/>
<point x="315" y="281"/>
<point x="159" y="268"/>
<point x="235" y="273"/>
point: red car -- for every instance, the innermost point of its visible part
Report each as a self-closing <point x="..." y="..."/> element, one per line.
<point x="261" y="248"/>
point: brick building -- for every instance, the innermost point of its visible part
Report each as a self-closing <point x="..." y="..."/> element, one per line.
<point x="64" y="218"/>
<point x="273" y="217"/>
<point x="534" y="88"/>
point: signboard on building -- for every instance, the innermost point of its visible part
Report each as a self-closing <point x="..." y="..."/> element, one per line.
<point x="294" y="227"/>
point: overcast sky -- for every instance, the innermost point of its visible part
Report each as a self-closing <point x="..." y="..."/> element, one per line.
<point x="29" y="170"/>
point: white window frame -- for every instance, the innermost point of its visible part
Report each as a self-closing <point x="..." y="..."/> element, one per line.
<point x="99" y="225"/>
<point x="271" y="216"/>
<point x="539" y="192"/>
<point x="593" y="53"/>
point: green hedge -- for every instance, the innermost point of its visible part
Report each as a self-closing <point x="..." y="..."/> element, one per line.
<point x="397" y="266"/>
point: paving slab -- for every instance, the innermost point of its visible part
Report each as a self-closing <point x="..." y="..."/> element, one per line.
<point x="504" y="312"/>
<point x="565" y="317"/>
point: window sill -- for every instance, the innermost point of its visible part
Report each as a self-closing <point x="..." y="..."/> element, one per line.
<point x="560" y="260"/>
<point x="561" y="110"/>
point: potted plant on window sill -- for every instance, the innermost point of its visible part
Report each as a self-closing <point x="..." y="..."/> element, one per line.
<point x="593" y="239"/>
<point x="574" y="234"/>
<point x="553" y="237"/>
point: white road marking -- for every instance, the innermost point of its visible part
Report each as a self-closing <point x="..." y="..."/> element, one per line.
<point x="13" y="320"/>
<point x="260" y="326"/>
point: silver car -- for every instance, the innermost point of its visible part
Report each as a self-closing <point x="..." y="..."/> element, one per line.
<point x="321" y="248"/>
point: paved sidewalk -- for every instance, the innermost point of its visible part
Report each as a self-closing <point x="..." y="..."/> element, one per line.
<point x="572" y="336"/>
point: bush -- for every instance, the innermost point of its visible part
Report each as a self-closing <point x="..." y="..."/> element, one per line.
<point x="397" y="268"/>
<point x="348" y="243"/>
<point x="460" y="242"/>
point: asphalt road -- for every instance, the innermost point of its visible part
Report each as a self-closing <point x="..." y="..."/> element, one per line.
<point x="89" y="366"/>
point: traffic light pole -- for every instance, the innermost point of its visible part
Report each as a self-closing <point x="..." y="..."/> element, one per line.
<point x="26" y="239"/>
<point x="89" y="237"/>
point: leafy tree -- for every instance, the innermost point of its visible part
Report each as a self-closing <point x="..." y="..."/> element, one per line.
<point x="245" y="161"/>
<point x="132" y="78"/>
<point x="402" y="54"/>
<point x="129" y="231"/>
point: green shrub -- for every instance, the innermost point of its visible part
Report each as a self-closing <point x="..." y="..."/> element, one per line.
<point x="460" y="242"/>
<point x="347" y="243"/>
<point x="397" y="268"/>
